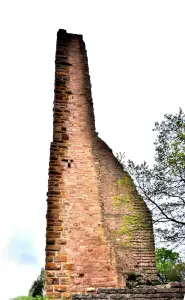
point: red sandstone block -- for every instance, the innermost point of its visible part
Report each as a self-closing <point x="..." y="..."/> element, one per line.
<point x="67" y="295"/>
<point x="53" y="266"/>
<point x="54" y="206"/>
<point x="49" y="288"/>
<point x="64" y="281"/>
<point x="51" y="281"/>
<point x="60" y="288"/>
<point x="112" y="283"/>
<point x="65" y="137"/>
<point x="69" y="266"/>
<point x="86" y="281"/>
<point x="52" y="247"/>
<point x="52" y="253"/>
<point x="77" y="280"/>
<point x="62" y="252"/>
<point x="62" y="273"/>
<point x="49" y="258"/>
<point x="79" y="269"/>
<point x="61" y="258"/>
<point x="74" y="288"/>
<point x="60" y="73"/>
<point x="58" y="228"/>
<point x="48" y="280"/>
<point x="50" y="241"/>
<point x="51" y="223"/>
<point x="79" y="289"/>
<point x="53" y="211"/>
<point x="50" y="274"/>
<point x="53" y="295"/>
<point x="61" y="241"/>
<point x="98" y="281"/>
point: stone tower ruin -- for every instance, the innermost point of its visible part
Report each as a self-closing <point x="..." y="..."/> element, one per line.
<point x="82" y="250"/>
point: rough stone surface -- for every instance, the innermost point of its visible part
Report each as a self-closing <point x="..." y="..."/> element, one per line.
<point x="81" y="251"/>
<point x="145" y="293"/>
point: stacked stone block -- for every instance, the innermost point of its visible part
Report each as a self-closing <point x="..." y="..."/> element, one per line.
<point x="175" y="291"/>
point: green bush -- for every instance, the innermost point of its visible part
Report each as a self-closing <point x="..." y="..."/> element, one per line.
<point x="170" y="265"/>
<point x="30" y="298"/>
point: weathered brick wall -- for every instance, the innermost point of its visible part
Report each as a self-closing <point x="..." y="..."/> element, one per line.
<point x="174" y="291"/>
<point x="140" y="256"/>
<point x="83" y="175"/>
<point x="77" y="251"/>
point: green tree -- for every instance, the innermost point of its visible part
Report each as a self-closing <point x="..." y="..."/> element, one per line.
<point x="37" y="288"/>
<point x="30" y="298"/>
<point x="163" y="185"/>
<point x="169" y="265"/>
<point x="23" y="298"/>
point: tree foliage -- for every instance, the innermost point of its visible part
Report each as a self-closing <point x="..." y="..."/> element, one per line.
<point x="169" y="265"/>
<point x="30" y="298"/>
<point x="37" y="288"/>
<point x="163" y="185"/>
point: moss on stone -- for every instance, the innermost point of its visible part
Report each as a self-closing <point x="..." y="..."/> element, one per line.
<point x="134" y="219"/>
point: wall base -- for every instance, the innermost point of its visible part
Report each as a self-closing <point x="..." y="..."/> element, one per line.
<point x="175" y="290"/>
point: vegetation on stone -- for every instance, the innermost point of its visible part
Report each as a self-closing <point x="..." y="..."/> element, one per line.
<point x="170" y="267"/>
<point x="133" y="220"/>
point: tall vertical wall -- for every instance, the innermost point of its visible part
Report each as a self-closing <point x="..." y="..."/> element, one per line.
<point x="83" y="174"/>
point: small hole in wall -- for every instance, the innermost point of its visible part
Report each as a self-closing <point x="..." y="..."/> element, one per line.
<point x="68" y="161"/>
<point x="80" y="275"/>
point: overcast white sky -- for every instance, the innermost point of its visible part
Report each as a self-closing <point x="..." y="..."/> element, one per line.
<point x="136" y="52"/>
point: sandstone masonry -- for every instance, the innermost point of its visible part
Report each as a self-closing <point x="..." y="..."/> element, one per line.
<point x="173" y="291"/>
<point x="82" y="251"/>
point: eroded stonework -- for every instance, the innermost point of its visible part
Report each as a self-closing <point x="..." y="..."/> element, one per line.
<point x="81" y="251"/>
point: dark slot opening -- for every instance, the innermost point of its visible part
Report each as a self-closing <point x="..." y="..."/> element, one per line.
<point x="68" y="161"/>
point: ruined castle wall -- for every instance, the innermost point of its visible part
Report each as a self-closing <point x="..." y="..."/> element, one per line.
<point x="83" y="175"/>
<point x="139" y="256"/>
<point x="78" y="252"/>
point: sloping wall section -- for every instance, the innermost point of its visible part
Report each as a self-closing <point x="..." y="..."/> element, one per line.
<point x="82" y="250"/>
